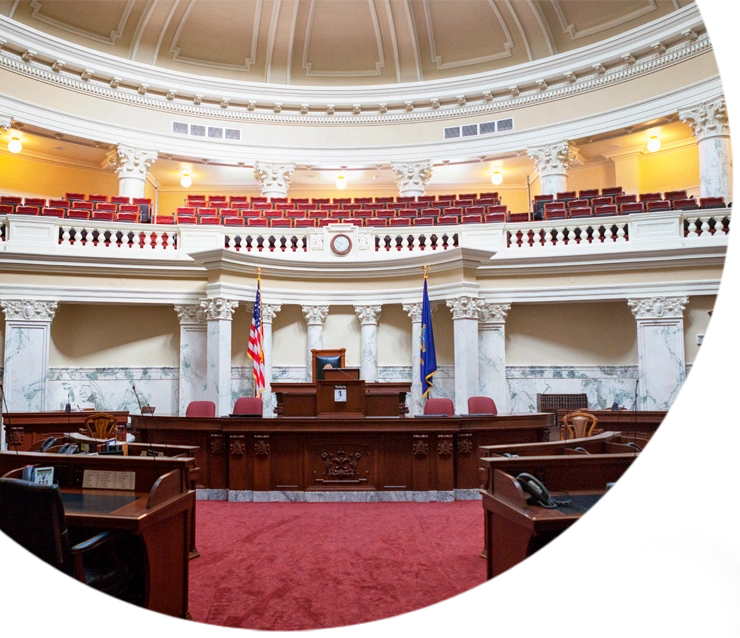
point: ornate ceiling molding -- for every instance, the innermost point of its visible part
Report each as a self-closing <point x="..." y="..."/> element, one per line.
<point x="615" y="60"/>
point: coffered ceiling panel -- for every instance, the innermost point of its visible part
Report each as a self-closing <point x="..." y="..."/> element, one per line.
<point x="200" y="34"/>
<point x="336" y="42"/>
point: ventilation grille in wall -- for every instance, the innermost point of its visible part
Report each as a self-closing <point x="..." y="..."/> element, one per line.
<point x="213" y="132"/>
<point x="484" y="128"/>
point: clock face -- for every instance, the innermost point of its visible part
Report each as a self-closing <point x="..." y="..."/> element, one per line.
<point x="341" y="244"/>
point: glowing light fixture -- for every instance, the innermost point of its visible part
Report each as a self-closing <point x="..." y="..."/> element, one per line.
<point x="15" y="146"/>
<point x="186" y="181"/>
<point x="497" y="178"/>
<point x="341" y="182"/>
<point x="653" y="144"/>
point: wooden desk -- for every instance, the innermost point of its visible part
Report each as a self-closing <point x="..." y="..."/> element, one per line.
<point x="309" y="454"/>
<point x="515" y="529"/>
<point x="157" y="513"/>
<point x="23" y="429"/>
<point x="300" y="399"/>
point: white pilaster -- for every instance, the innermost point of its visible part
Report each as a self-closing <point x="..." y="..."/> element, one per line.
<point x="711" y="127"/>
<point x="368" y="316"/>
<point x="132" y="165"/>
<point x="416" y="402"/>
<point x="274" y="178"/>
<point x="465" y="313"/>
<point x="315" y="317"/>
<point x="553" y="162"/>
<point x="268" y="398"/>
<point x="660" y="346"/>
<point x="492" y="355"/>
<point x="27" y="326"/>
<point x="193" y="355"/>
<point x="219" y="313"/>
<point x="412" y="177"/>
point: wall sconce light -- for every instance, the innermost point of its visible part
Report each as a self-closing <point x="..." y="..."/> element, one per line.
<point x="653" y="144"/>
<point x="15" y="146"/>
<point x="186" y="181"/>
<point x="497" y="178"/>
<point x="341" y="182"/>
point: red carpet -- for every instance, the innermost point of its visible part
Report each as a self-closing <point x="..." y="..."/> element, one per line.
<point x="285" y="566"/>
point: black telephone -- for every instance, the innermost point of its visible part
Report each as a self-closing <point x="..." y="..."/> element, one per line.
<point x="47" y="444"/>
<point x="535" y="488"/>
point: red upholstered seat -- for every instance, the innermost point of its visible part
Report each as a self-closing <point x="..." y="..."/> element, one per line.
<point x="209" y="220"/>
<point x="351" y="207"/>
<point x="284" y="207"/>
<point x="602" y="201"/>
<point x="186" y="219"/>
<point x="383" y="200"/>
<point x="588" y="193"/>
<point x="127" y="216"/>
<point x="612" y="191"/>
<point x="493" y="195"/>
<point x="11" y="201"/>
<point x="248" y="212"/>
<point x="363" y="200"/>
<point x="651" y="197"/>
<point x="556" y="213"/>
<point x="317" y="214"/>
<point x="376" y="222"/>
<point x="27" y="210"/>
<point x="575" y="203"/>
<point x="582" y="211"/>
<point x="606" y="210"/>
<point x="232" y="221"/>
<point x="439" y="407"/>
<point x="295" y="214"/>
<point x="279" y="201"/>
<point x="363" y="214"/>
<point x="634" y="207"/>
<point x="186" y="210"/>
<point x="430" y="212"/>
<point x="230" y="212"/>
<point x="104" y="215"/>
<point x="213" y="199"/>
<point x="448" y="220"/>
<point x="472" y="219"/>
<point x="78" y="213"/>
<point x="237" y="199"/>
<point x="6" y="209"/>
<point x="272" y="214"/>
<point x="405" y="200"/>
<point x="305" y="206"/>
<point x="467" y="196"/>
<point x="658" y="205"/>
<point x="340" y="214"/>
<point x="423" y="221"/>
<point x="675" y="195"/>
<point x="475" y="210"/>
<point x="52" y="212"/>
<point x="203" y="409"/>
<point x="97" y="198"/>
<point x="566" y="195"/>
<point x="482" y="405"/>
<point x="196" y="198"/>
<point x="281" y="223"/>
<point x="625" y="199"/>
<point x="248" y="406"/>
<point x="495" y="218"/>
<point x="258" y="199"/>
<point x="74" y="196"/>
<point x="59" y="203"/>
<point x="208" y="212"/>
<point x="112" y="208"/>
<point x="256" y="222"/>
<point x="35" y="201"/>
<point x="353" y="222"/>
<point x="329" y="206"/>
<point x="426" y="198"/>
<point x="262" y="205"/>
<point x="382" y="212"/>
<point x="317" y="201"/>
<point x="400" y="221"/>
<point x="168" y="220"/>
<point x="712" y="202"/>
<point x="519" y="217"/>
<point x="305" y="223"/>
<point x="82" y="205"/>
<point x="326" y="221"/>
<point x="684" y="204"/>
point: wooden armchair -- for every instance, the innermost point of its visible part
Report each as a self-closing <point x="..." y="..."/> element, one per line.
<point x="322" y="358"/>
<point x="100" y="426"/>
<point x="578" y="425"/>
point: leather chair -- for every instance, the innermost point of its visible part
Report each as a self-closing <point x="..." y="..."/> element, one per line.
<point x="248" y="406"/>
<point x="482" y="405"/>
<point x="100" y="426"/>
<point x="201" y="408"/>
<point x="439" y="407"/>
<point x="578" y="425"/>
<point x="33" y="516"/>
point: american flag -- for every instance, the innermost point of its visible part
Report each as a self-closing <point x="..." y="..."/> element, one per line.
<point x="254" y="350"/>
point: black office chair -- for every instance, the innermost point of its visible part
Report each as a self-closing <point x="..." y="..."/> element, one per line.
<point x="33" y="516"/>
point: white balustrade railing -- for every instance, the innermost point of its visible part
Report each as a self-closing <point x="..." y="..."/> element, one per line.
<point x="669" y="229"/>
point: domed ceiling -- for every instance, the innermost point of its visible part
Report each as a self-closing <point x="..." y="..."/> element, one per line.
<point x="335" y="42"/>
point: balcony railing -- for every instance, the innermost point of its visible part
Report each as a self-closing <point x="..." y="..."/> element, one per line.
<point x="669" y="229"/>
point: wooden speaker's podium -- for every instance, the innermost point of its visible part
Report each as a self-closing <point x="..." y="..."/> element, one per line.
<point x="340" y="394"/>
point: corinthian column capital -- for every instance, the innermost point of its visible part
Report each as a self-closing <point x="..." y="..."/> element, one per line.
<point x="553" y="159"/>
<point x="130" y="161"/>
<point x="218" y="308"/>
<point x="658" y="307"/>
<point x="190" y="314"/>
<point x="315" y="315"/>
<point x="29" y="310"/>
<point x="274" y="177"/>
<point x="269" y="312"/>
<point x="465" y="307"/>
<point x="708" y="119"/>
<point x="368" y="315"/>
<point x="412" y="177"/>
<point x="494" y="312"/>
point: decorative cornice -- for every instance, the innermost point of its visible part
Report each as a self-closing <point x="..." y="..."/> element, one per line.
<point x="315" y="315"/>
<point x="481" y="93"/>
<point x="412" y="177"/>
<point x="29" y="310"/>
<point x="553" y="159"/>
<point x="190" y="314"/>
<point x="5" y="123"/>
<point x="218" y="308"/>
<point x="130" y="161"/>
<point x="494" y="312"/>
<point x="414" y="311"/>
<point x="269" y="312"/>
<point x="465" y="307"/>
<point x="368" y="315"/>
<point x="707" y="120"/>
<point x="658" y="307"/>
<point x="274" y="178"/>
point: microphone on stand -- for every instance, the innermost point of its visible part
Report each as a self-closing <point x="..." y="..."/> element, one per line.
<point x="68" y="407"/>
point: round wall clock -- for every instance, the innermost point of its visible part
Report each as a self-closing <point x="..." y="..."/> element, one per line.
<point x="341" y="244"/>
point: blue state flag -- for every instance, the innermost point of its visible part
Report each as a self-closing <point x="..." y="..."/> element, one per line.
<point x="428" y="356"/>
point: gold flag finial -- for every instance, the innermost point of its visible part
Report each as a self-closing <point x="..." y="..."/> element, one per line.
<point x="259" y="273"/>
<point x="425" y="269"/>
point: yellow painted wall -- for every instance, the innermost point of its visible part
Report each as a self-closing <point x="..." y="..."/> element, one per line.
<point x="599" y="176"/>
<point x="26" y="176"/>
<point x="670" y="170"/>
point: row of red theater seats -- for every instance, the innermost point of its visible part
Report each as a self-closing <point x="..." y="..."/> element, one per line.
<point x="305" y="222"/>
<point x="282" y="205"/>
<point x="77" y="200"/>
<point x="123" y="215"/>
<point x="615" y="192"/>
<point x="202" y="200"/>
<point x="343" y="214"/>
<point x="580" y="208"/>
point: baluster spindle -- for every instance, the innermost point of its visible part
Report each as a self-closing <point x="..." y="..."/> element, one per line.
<point x="705" y="228"/>
<point x="620" y="233"/>
<point x="66" y="234"/>
<point x="692" y="229"/>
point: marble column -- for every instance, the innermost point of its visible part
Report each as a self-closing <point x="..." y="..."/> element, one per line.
<point x="368" y="317"/>
<point x="274" y="177"/>
<point x="553" y="162"/>
<point x="416" y="402"/>
<point x="660" y="350"/>
<point x="219" y="313"/>
<point x="465" y="314"/>
<point x="269" y="311"/>
<point x="492" y="355"/>
<point x="27" y="338"/>
<point x="315" y="317"/>
<point x="710" y="126"/>
<point x="132" y="165"/>
<point x="412" y="177"/>
<point x="193" y="355"/>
